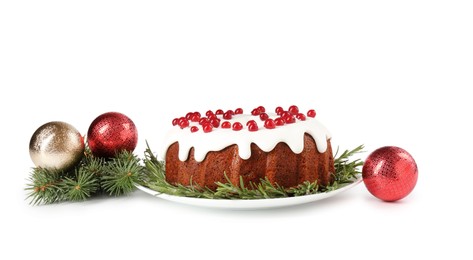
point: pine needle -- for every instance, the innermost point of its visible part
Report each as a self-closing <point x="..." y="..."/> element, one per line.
<point x="121" y="174"/>
<point x="44" y="187"/>
<point x="84" y="185"/>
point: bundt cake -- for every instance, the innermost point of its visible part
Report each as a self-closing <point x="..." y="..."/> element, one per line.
<point x="286" y="147"/>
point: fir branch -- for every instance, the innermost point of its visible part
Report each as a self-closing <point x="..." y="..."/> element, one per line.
<point x="121" y="174"/>
<point x="94" y="165"/>
<point x="346" y="171"/>
<point x="44" y="187"/>
<point x="84" y="185"/>
<point x="91" y="177"/>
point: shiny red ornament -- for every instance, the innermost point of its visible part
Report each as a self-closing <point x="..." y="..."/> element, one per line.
<point x="110" y="133"/>
<point x="390" y="173"/>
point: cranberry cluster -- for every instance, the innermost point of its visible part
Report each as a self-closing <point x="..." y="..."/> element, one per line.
<point x="211" y="119"/>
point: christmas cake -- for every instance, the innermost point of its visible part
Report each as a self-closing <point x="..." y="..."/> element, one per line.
<point x="286" y="147"/>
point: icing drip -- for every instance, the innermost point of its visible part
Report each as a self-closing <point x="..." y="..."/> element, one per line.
<point x="265" y="139"/>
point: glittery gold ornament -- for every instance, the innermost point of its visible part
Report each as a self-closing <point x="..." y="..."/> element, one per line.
<point x="56" y="146"/>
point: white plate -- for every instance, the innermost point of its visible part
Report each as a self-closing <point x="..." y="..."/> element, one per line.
<point x="249" y="204"/>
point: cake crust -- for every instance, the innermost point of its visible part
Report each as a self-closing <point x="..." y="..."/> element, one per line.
<point x="280" y="166"/>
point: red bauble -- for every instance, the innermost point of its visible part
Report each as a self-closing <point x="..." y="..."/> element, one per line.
<point x="390" y="173"/>
<point x="110" y="133"/>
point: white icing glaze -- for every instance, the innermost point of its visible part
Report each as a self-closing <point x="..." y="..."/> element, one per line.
<point x="265" y="139"/>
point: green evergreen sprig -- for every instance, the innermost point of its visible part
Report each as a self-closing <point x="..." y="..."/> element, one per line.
<point x="45" y="186"/>
<point x="80" y="187"/>
<point x="121" y="174"/>
<point x="347" y="170"/>
<point x="93" y="176"/>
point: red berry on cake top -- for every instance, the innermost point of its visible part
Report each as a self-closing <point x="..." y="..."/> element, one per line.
<point x="183" y="122"/>
<point x="208" y="113"/>
<point x="283" y="114"/>
<point x="189" y="115"/>
<point x="311" y="113"/>
<point x="215" y="122"/>
<point x="263" y="116"/>
<point x="300" y="116"/>
<point x="289" y="119"/>
<point x="207" y="128"/>
<point x="250" y="122"/>
<point x="279" y="110"/>
<point x="255" y="112"/>
<point x="203" y="120"/>
<point x="269" y="124"/>
<point x="175" y="121"/>
<point x="293" y="110"/>
<point x="279" y="121"/>
<point x="195" y="117"/>
<point x="253" y="127"/>
<point x="237" y="126"/>
<point x="228" y="115"/>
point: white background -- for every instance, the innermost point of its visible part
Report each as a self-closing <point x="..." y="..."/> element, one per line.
<point x="377" y="72"/>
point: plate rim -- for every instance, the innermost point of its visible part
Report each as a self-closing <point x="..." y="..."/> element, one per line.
<point x="250" y="203"/>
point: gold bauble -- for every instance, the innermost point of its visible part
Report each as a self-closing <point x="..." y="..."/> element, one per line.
<point x="56" y="146"/>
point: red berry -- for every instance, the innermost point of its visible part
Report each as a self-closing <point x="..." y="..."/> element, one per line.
<point x="255" y="112"/>
<point x="279" y="121"/>
<point x="183" y="122"/>
<point x="289" y="119"/>
<point x="212" y="116"/>
<point x="189" y="115"/>
<point x="293" y="110"/>
<point x="194" y="129"/>
<point x="261" y="109"/>
<point x="226" y="124"/>
<point x="263" y="116"/>
<point x="238" y="111"/>
<point x="269" y="124"/>
<point x="253" y="127"/>
<point x="237" y="126"/>
<point x="208" y="113"/>
<point x="207" y="128"/>
<point x="300" y="116"/>
<point x="279" y="110"/>
<point x="215" y="122"/>
<point x="219" y="112"/>
<point x="203" y="120"/>
<point x="230" y="112"/>
<point x="283" y="114"/>
<point x="175" y="121"/>
<point x="250" y="122"/>
<point x="228" y="115"/>
<point x="195" y="117"/>
<point x="311" y="113"/>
